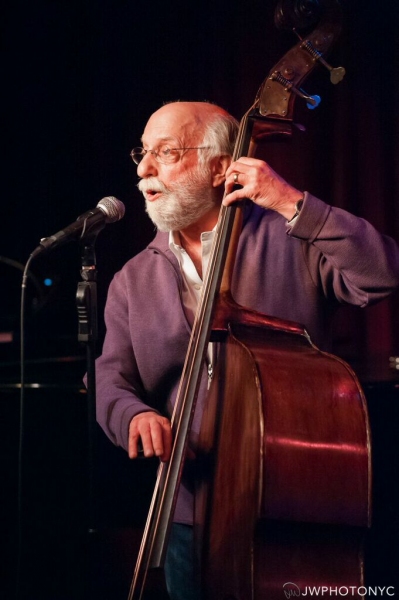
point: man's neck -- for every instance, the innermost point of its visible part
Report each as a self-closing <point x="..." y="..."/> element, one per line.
<point x="190" y="237"/>
<point x="207" y="222"/>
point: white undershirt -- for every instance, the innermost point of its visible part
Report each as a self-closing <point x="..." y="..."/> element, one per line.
<point x="192" y="282"/>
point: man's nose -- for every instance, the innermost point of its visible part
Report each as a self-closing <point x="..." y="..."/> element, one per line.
<point x="147" y="167"/>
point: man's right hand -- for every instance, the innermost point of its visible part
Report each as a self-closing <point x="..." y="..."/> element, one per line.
<point x="154" y="432"/>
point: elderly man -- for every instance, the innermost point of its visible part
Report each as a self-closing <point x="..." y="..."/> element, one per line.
<point x="298" y="259"/>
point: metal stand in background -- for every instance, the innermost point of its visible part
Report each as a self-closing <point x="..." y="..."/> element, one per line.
<point x="86" y="300"/>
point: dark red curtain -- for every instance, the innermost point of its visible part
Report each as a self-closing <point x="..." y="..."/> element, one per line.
<point x="349" y="152"/>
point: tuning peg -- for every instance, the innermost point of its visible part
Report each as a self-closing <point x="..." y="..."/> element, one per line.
<point x="336" y="73"/>
<point x="311" y="101"/>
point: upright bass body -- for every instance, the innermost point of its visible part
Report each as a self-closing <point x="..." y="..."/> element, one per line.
<point x="284" y="494"/>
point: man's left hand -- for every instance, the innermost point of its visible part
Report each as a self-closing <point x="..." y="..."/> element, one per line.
<point x="261" y="184"/>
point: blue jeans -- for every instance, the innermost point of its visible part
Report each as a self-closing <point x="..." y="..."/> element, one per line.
<point x="179" y="564"/>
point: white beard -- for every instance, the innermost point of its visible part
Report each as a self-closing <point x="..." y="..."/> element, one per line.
<point x="183" y="203"/>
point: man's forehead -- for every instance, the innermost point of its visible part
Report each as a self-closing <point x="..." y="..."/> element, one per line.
<point x="171" y="123"/>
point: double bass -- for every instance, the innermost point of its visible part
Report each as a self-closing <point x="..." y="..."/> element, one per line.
<point x="285" y="505"/>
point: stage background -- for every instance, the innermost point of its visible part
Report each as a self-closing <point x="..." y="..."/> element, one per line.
<point x="80" y="80"/>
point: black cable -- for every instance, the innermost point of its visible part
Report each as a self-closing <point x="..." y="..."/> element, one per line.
<point x="17" y="265"/>
<point x="21" y="429"/>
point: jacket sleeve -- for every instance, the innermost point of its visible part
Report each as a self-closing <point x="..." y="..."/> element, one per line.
<point x="359" y="265"/>
<point x="119" y="391"/>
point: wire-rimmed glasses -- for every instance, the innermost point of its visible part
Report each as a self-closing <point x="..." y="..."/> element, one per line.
<point x="163" y="154"/>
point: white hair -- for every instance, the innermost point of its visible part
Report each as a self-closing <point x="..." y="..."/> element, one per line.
<point x="219" y="137"/>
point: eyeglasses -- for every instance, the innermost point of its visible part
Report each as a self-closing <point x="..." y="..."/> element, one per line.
<point x="163" y="154"/>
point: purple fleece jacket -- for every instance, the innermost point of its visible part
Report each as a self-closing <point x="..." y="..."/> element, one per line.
<point x="300" y="273"/>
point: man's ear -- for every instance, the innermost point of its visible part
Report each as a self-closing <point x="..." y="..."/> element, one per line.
<point x="219" y="166"/>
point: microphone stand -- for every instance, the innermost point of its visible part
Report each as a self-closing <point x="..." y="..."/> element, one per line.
<point x="86" y="300"/>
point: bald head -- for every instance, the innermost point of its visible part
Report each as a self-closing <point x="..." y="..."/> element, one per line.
<point x="192" y="116"/>
<point x="195" y="124"/>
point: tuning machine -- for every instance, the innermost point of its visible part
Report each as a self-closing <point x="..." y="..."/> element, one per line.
<point x="311" y="101"/>
<point x="336" y="73"/>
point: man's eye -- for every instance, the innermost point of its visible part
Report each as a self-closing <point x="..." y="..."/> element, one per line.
<point x="165" y="150"/>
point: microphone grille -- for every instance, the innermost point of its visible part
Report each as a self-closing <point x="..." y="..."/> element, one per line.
<point x="113" y="208"/>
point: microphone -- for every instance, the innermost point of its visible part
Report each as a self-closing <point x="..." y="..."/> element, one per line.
<point x="108" y="210"/>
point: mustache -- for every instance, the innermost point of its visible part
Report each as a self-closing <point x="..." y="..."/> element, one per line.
<point x="153" y="184"/>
